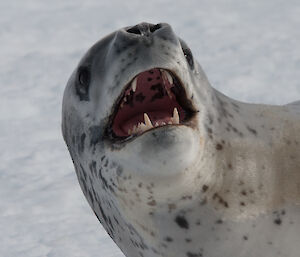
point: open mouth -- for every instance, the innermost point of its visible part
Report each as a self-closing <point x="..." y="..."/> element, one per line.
<point x="154" y="98"/>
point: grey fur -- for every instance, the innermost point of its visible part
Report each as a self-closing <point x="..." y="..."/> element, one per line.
<point x="228" y="185"/>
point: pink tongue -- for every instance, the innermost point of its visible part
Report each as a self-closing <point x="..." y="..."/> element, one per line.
<point x="155" y="117"/>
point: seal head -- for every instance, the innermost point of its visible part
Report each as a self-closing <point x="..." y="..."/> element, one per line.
<point x="170" y="166"/>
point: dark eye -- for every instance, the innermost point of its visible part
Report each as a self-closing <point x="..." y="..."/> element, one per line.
<point x="83" y="83"/>
<point x="189" y="57"/>
<point x="187" y="53"/>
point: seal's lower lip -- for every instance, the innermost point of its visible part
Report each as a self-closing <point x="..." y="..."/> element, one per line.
<point x="154" y="98"/>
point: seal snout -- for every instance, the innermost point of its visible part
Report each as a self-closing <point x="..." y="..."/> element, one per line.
<point x="146" y="33"/>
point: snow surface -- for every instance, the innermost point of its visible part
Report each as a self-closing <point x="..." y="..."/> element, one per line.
<point x="250" y="51"/>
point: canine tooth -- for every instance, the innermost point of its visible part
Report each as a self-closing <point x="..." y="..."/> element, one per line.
<point x="147" y="120"/>
<point x="133" y="85"/>
<point x="175" y="117"/>
<point x="156" y="124"/>
<point x="163" y="123"/>
<point x="129" y="132"/>
<point x="164" y="74"/>
<point x="169" y="77"/>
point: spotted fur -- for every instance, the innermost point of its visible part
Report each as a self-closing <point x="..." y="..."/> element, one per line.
<point x="228" y="184"/>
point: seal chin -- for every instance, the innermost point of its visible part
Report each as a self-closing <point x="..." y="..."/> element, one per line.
<point x="165" y="151"/>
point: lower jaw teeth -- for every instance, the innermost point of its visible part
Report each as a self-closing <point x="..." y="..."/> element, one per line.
<point x="147" y="124"/>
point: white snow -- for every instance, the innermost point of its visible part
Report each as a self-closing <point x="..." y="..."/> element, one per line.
<point x="250" y="51"/>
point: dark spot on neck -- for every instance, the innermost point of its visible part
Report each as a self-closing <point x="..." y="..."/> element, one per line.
<point x="182" y="222"/>
<point x="253" y="131"/>
<point x="219" y="147"/>
<point x="204" y="188"/>
<point x="169" y="239"/>
<point x="278" y="221"/>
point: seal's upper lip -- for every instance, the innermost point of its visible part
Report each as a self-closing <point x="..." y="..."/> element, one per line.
<point x="152" y="99"/>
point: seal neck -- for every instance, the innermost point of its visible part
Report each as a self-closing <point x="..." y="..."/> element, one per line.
<point x="252" y="155"/>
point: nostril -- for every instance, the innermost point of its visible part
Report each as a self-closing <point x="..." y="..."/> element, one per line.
<point x="134" y="30"/>
<point x="154" y="27"/>
<point x="144" y="29"/>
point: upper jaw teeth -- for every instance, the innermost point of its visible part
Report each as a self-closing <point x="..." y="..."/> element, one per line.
<point x="133" y="84"/>
<point x="167" y="76"/>
<point x="147" y="124"/>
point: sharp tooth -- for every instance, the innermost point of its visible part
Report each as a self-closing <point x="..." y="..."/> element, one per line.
<point x="133" y="85"/>
<point x="162" y="71"/>
<point x="139" y="128"/>
<point x="164" y="74"/>
<point x="156" y="124"/>
<point x="129" y="131"/>
<point x="169" y="77"/>
<point x="175" y="117"/>
<point x="163" y="123"/>
<point x="135" y="129"/>
<point x="147" y="120"/>
<point x="142" y="127"/>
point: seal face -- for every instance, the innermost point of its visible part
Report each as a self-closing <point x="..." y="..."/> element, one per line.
<point x="170" y="166"/>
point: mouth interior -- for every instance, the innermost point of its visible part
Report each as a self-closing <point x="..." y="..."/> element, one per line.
<point x="154" y="98"/>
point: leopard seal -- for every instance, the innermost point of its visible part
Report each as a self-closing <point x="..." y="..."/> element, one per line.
<point x="172" y="167"/>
